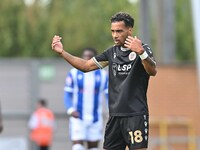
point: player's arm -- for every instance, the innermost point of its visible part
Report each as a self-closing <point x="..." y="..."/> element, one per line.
<point x="145" y="54"/>
<point x="79" y="63"/>
<point x="68" y="96"/>
<point x="33" y="122"/>
<point x="68" y="105"/>
<point x="148" y="63"/>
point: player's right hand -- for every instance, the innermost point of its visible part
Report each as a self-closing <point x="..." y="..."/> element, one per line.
<point x="56" y="44"/>
<point x="75" y="114"/>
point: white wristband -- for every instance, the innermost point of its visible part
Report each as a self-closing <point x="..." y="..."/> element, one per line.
<point x="70" y="111"/>
<point x="144" y="55"/>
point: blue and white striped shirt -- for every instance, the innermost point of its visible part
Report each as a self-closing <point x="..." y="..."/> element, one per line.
<point x="84" y="92"/>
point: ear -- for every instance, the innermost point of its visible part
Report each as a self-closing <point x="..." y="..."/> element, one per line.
<point x="130" y="30"/>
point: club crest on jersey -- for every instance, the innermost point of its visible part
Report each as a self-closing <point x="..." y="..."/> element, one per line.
<point x="132" y="56"/>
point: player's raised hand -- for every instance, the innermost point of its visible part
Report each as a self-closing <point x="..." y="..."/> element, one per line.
<point x="56" y="44"/>
<point x="134" y="44"/>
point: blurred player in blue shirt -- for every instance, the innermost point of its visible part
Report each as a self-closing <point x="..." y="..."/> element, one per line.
<point x="84" y="93"/>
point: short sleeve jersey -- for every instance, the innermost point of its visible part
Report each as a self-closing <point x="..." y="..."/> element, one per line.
<point x="87" y="91"/>
<point x="128" y="81"/>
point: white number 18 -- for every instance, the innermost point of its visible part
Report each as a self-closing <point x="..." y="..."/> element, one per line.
<point x="136" y="136"/>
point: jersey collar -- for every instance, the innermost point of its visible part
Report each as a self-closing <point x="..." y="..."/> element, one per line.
<point x="124" y="49"/>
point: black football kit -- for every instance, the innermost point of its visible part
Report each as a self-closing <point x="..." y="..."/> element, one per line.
<point x="128" y="83"/>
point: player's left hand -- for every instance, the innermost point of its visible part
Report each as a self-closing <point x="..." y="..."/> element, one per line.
<point x="134" y="44"/>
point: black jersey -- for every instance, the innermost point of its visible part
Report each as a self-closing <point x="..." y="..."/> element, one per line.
<point x="128" y="81"/>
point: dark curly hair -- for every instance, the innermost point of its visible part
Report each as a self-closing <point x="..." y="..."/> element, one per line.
<point x="123" y="16"/>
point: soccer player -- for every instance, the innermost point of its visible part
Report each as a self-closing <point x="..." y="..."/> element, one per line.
<point x="83" y="100"/>
<point x="131" y="64"/>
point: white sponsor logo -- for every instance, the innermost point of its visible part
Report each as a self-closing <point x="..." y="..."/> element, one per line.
<point x="124" y="67"/>
<point x="121" y="69"/>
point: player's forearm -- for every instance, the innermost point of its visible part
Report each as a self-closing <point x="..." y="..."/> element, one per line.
<point x="76" y="62"/>
<point x="148" y="63"/>
<point x="150" y="66"/>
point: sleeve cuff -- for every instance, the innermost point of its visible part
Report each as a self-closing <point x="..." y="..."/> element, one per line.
<point x="70" y="111"/>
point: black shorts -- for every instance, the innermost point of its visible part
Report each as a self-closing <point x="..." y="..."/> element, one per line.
<point x="130" y="131"/>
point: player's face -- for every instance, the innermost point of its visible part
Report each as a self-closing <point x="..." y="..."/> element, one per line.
<point x="120" y="32"/>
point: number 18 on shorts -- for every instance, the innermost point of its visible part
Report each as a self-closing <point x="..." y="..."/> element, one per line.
<point x="138" y="134"/>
